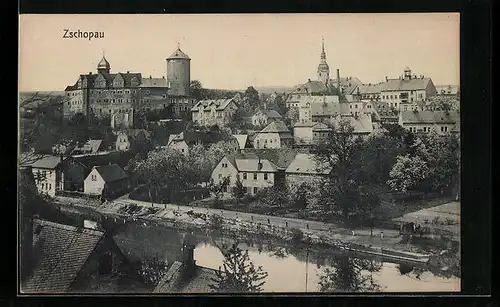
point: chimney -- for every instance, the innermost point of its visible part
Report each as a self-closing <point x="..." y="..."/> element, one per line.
<point x="338" y="79"/>
<point x="90" y="72"/>
<point x="128" y="71"/>
<point x="188" y="262"/>
<point x="386" y="79"/>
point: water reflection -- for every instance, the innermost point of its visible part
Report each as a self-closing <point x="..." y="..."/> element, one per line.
<point x="289" y="268"/>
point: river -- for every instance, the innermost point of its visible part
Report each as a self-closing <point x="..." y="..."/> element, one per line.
<point x="289" y="268"/>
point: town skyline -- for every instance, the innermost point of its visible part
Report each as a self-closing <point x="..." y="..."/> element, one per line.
<point x="249" y="46"/>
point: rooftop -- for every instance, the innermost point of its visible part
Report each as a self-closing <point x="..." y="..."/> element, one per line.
<point x="173" y="282"/>
<point x="61" y="252"/>
<point x="207" y="104"/>
<point x="47" y="162"/>
<point x="178" y="54"/>
<point x="306" y="164"/>
<point x="111" y="173"/>
<point x="430" y="117"/>
<point x="275" y="127"/>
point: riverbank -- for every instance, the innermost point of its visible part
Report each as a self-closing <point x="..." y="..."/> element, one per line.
<point x="387" y="246"/>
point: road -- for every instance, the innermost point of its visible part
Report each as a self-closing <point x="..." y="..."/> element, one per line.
<point x="264" y="219"/>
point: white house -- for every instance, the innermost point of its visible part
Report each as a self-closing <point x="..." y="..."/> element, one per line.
<point x="305" y="169"/>
<point x="256" y="170"/>
<point x="214" y="112"/>
<point x="262" y="118"/>
<point x="274" y="135"/>
<point x="310" y="133"/>
<point x="441" y="122"/>
<point x="110" y="179"/>
<point x="408" y="88"/>
<point x="310" y="104"/>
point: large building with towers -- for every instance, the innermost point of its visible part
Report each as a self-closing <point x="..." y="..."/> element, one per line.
<point x="119" y="96"/>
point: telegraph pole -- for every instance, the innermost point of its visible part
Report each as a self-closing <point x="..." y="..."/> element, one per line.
<point x="307" y="264"/>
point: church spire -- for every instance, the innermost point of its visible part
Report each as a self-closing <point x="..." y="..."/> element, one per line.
<point x="323" y="68"/>
<point x="323" y="54"/>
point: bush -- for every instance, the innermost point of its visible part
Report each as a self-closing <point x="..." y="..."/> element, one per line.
<point x="297" y="235"/>
<point x="215" y="221"/>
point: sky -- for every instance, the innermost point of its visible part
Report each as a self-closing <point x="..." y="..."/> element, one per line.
<point x="235" y="51"/>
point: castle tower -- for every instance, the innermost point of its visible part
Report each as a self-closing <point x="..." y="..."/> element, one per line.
<point x="178" y="73"/>
<point x="323" y="68"/>
<point x="103" y="67"/>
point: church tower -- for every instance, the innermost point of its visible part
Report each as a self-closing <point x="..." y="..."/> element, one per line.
<point x="323" y="68"/>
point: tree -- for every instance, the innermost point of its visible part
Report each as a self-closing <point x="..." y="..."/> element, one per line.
<point x="252" y="96"/>
<point x="346" y="275"/>
<point x="407" y="173"/>
<point x="239" y="190"/>
<point x="301" y="196"/>
<point x="275" y="196"/>
<point x="165" y="170"/>
<point x="238" y="273"/>
<point x="336" y="155"/>
<point x="196" y="90"/>
<point x="151" y="271"/>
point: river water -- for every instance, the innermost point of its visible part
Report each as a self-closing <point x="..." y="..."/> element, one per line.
<point x="289" y="268"/>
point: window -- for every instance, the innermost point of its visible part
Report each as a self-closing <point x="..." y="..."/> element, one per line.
<point x="265" y="176"/>
<point x="255" y="190"/>
<point x="356" y="106"/>
<point x="43" y="186"/>
<point x="444" y="129"/>
<point x="182" y="150"/>
<point x="93" y="177"/>
<point x="244" y="175"/>
<point x="254" y="176"/>
<point x="50" y="186"/>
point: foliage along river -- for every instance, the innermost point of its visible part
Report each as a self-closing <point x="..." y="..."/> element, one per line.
<point x="289" y="268"/>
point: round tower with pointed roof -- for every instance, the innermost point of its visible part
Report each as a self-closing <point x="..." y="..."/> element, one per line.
<point x="103" y="66"/>
<point x="323" y="68"/>
<point x="178" y="73"/>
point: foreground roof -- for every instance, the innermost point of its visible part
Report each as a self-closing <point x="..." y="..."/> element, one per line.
<point x="406" y="84"/>
<point x="62" y="251"/>
<point x="172" y="281"/>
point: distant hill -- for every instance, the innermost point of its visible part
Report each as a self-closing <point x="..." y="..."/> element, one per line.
<point x="272" y="89"/>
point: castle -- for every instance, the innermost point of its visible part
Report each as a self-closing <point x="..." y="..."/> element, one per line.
<point x="120" y="96"/>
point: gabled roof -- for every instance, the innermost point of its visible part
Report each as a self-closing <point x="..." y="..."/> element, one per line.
<point x="347" y="84"/>
<point x="172" y="282"/>
<point x="369" y="88"/>
<point x="306" y="164"/>
<point x="242" y="140"/>
<point x="178" y="54"/>
<point x="250" y="163"/>
<point x="275" y="127"/>
<point x="314" y="125"/>
<point x="361" y="123"/>
<point x="153" y="82"/>
<point x="430" y="117"/>
<point x="206" y="104"/>
<point x="269" y="113"/>
<point x="111" y="172"/>
<point x="133" y="133"/>
<point x="190" y="137"/>
<point x="405" y="84"/>
<point x="279" y="157"/>
<point x="47" y="162"/>
<point x="328" y="109"/>
<point x="61" y="252"/>
<point x="92" y="146"/>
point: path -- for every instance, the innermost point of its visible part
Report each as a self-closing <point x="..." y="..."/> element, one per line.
<point x="304" y="225"/>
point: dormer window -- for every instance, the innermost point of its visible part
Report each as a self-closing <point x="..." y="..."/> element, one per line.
<point x="259" y="166"/>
